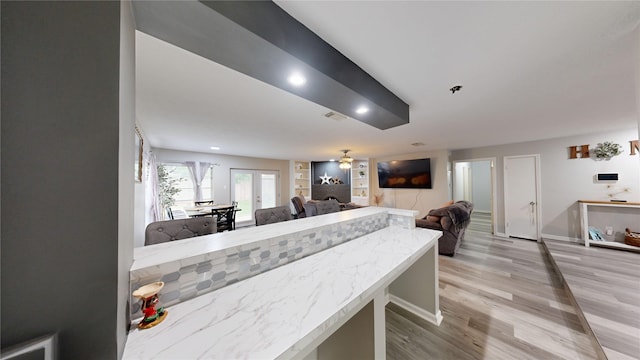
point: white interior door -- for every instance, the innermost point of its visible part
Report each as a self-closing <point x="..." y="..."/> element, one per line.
<point x="521" y="196"/>
<point x="467" y="184"/>
<point x="253" y="189"/>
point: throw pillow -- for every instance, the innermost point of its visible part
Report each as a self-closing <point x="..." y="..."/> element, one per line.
<point x="433" y="218"/>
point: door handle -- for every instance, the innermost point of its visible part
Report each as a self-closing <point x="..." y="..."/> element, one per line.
<point x="532" y="215"/>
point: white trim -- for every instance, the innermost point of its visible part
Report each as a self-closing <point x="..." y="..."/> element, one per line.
<point x="494" y="187"/>
<point x="48" y="342"/>
<point x="536" y="158"/>
<point x="502" y="235"/>
<point x="416" y="310"/>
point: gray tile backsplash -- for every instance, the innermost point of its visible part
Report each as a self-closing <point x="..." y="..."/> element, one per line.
<point x="191" y="277"/>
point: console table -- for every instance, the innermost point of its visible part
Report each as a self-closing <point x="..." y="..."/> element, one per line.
<point x="327" y="305"/>
<point x="584" y="222"/>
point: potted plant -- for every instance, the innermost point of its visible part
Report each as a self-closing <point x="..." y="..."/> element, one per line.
<point x="166" y="188"/>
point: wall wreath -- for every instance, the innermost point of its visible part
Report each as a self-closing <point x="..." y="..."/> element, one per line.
<point x="607" y="150"/>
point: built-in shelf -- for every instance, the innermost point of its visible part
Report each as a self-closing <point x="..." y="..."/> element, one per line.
<point x="360" y="182"/>
<point x="584" y="222"/>
<point x="302" y="178"/>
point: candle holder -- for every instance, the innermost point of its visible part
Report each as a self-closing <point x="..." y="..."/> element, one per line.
<point x="148" y="295"/>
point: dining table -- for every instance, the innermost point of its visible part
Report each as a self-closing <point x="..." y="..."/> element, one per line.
<point x="220" y="211"/>
<point x="207" y="210"/>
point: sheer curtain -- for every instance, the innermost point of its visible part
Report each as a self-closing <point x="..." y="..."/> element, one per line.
<point x="198" y="170"/>
<point x="156" y="212"/>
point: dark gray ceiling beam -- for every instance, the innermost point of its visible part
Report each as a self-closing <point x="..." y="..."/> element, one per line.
<point x="259" y="39"/>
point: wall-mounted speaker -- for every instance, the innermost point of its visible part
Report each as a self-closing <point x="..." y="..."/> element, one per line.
<point x="608" y="177"/>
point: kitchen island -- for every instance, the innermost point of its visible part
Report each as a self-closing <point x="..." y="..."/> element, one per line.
<point x="327" y="304"/>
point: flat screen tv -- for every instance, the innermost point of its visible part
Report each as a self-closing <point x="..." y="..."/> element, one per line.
<point x="405" y="174"/>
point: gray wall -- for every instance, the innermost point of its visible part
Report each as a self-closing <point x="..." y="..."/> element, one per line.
<point x="564" y="180"/>
<point x="60" y="169"/>
<point x="416" y="199"/>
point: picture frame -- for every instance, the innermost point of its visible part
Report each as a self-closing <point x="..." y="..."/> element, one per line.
<point x="138" y="155"/>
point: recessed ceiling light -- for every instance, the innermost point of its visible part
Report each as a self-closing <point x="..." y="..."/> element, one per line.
<point x="362" y="110"/>
<point x="215" y="148"/>
<point x="296" y="79"/>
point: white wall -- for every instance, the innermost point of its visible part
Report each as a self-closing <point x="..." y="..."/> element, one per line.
<point x="142" y="199"/>
<point x="564" y="180"/>
<point x="221" y="171"/>
<point x="420" y="199"/>
<point x="127" y="189"/>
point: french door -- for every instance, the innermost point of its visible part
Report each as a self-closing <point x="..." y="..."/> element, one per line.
<point x="253" y="189"/>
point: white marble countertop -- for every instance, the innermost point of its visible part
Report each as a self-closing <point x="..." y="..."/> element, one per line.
<point x="280" y="313"/>
<point x="147" y="256"/>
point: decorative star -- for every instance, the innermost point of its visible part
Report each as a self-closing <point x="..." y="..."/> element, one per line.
<point x="325" y="179"/>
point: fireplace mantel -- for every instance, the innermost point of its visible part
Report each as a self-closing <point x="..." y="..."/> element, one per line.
<point x="341" y="192"/>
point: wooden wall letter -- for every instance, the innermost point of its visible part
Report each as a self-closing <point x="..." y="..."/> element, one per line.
<point x="573" y="151"/>
<point x="635" y="145"/>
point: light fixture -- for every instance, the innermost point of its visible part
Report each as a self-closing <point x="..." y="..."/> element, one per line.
<point x="345" y="160"/>
<point x="296" y="79"/>
<point x="362" y="110"/>
<point x="215" y="148"/>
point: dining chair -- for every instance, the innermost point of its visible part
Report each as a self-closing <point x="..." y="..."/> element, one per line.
<point x="225" y="218"/>
<point x="233" y="216"/>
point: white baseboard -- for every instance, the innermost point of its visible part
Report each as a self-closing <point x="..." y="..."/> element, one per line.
<point x="416" y="310"/>
<point x="562" y="238"/>
<point x="503" y="235"/>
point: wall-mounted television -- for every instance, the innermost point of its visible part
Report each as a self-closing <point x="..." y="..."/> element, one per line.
<point x="405" y="174"/>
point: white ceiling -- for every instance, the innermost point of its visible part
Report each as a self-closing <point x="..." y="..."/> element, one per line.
<point x="529" y="71"/>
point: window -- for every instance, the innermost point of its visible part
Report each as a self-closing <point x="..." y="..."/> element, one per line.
<point x="180" y="176"/>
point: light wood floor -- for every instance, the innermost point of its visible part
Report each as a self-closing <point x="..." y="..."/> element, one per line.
<point x="606" y="286"/>
<point x="501" y="299"/>
<point x="480" y="221"/>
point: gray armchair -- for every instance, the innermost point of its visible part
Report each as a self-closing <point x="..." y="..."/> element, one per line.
<point x="313" y="208"/>
<point x="298" y="204"/>
<point x="273" y="215"/>
<point x="452" y="220"/>
<point x="171" y="230"/>
<point x="327" y="207"/>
